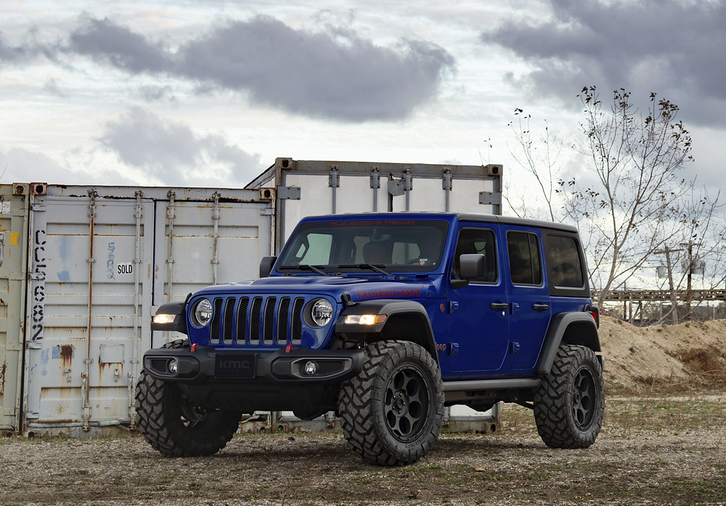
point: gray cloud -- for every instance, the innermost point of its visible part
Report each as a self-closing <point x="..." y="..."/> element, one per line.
<point x="174" y="154"/>
<point x="156" y="93"/>
<point x="14" y="54"/>
<point x="106" y="41"/>
<point x="670" y="47"/>
<point x="335" y="74"/>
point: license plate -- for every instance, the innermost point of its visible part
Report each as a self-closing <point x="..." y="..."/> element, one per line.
<point x="235" y="365"/>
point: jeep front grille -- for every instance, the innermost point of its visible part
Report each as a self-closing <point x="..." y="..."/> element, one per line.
<point x="257" y="320"/>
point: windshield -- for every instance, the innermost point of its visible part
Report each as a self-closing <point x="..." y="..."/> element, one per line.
<point x="401" y="245"/>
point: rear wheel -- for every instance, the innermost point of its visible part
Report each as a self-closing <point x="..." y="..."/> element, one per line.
<point x="570" y="403"/>
<point x="173" y="425"/>
<point x="392" y="412"/>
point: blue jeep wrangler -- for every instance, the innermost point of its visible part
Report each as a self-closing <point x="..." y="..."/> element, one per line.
<point x="385" y="319"/>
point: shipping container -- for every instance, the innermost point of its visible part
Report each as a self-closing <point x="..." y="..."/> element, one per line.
<point x="83" y="268"/>
<point x="312" y="187"/>
<point x="13" y="273"/>
<point x="101" y="259"/>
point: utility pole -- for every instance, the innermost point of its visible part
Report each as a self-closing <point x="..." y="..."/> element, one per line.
<point x="688" y="283"/>
<point x="674" y="299"/>
<point x="689" y="289"/>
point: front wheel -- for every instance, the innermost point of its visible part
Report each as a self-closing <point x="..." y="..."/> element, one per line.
<point x="570" y="403"/>
<point x="173" y="425"/>
<point x="392" y="412"/>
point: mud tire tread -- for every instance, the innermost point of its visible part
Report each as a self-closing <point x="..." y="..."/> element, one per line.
<point x="553" y="409"/>
<point x="158" y="415"/>
<point x="358" y="405"/>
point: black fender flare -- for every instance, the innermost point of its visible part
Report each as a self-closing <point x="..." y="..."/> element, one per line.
<point x="406" y="319"/>
<point x="569" y="328"/>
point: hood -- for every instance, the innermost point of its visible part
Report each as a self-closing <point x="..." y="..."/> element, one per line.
<point x="359" y="288"/>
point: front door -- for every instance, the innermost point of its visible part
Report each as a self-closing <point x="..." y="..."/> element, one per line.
<point x="478" y="312"/>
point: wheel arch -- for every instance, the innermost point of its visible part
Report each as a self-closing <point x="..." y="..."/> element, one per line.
<point x="577" y="328"/>
<point x="406" y="320"/>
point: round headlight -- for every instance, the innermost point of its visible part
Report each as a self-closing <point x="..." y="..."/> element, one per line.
<point x="203" y="312"/>
<point x="321" y="312"/>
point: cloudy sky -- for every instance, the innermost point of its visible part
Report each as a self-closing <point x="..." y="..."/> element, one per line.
<point x="210" y="92"/>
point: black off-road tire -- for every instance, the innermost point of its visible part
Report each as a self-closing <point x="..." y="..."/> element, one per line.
<point x="175" y="427"/>
<point x="392" y="412"/>
<point x="570" y="403"/>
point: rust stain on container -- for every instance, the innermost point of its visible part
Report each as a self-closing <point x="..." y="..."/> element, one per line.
<point x="66" y="354"/>
<point x="2" y="377"/>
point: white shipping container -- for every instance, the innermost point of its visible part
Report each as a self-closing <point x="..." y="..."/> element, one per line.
<point x="85" y="267"/>
<point x="101" y="259"/>
<point x="312" y="187"/>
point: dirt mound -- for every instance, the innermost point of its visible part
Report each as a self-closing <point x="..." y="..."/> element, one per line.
<point x="684" y="356"/>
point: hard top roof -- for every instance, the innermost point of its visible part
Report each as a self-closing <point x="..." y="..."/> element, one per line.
<point x="462" y="217"/>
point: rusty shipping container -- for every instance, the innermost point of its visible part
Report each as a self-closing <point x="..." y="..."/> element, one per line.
<point x="99" y="262"/>
<point x="84" y="268"/>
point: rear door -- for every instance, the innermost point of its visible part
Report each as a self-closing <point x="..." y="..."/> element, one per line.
<point x="529" y="298"/>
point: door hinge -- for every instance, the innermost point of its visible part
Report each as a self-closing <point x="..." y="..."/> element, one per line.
<point x="288" y="192"/>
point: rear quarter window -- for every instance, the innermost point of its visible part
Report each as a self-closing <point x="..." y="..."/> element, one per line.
<point x="565" y="265"/>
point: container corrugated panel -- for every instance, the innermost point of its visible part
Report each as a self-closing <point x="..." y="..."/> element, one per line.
<point x="311" y="187"/>
<point x="13" y="258"/>
<point x="103" y="259"/>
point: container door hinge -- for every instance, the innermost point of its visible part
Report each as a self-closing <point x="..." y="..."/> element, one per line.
<point x="490" y="198"/>
<point x="288" y="192"/>
<point x="267" y="211"/>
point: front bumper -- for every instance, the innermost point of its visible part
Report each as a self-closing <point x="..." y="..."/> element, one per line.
<point x="210" y="365"/>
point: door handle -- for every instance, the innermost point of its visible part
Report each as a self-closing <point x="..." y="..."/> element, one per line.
<point x="500" y="305"/>
<point x="541" y="307"/>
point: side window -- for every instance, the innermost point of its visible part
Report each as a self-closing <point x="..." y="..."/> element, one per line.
<point x="482" y="241"/>
<point x="525" y="264"/>
<point x="564" y="261"/>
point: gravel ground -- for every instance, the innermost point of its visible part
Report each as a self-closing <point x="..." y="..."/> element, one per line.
<point x="651" y="451"/>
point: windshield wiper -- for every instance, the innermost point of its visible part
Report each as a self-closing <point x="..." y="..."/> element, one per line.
<point x="372" y="267"/>
<point x="310" y="268"/>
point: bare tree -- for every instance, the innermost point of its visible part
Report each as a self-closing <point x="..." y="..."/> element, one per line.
<point x="634" y="204"/>
<point x="539" y="157"/>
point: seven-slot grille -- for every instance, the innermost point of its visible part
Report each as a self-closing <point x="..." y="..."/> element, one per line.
<point x="257" y="320"/>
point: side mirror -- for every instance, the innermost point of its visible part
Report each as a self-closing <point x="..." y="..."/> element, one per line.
<point x="266" y="266"/>
<point x="472" y="266"/>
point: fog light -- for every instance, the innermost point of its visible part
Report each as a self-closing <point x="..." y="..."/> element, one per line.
<point x="174" y="366"/>
<point x="311" y="368"/>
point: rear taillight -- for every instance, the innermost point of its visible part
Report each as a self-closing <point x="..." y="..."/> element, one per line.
<point x="596" y="316"/>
